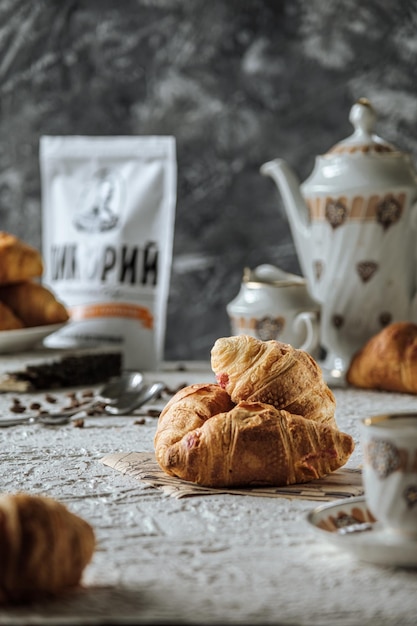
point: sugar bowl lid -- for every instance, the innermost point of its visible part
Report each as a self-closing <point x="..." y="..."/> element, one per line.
<point x="267" y="274"/>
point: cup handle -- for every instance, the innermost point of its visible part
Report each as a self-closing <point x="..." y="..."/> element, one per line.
<point x="310" y="321"/>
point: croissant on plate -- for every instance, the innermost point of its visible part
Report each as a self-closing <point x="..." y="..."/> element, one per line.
<point x="18" y="260"/>
<point x="388" y="361"/>
<point x="33" y="303"/>
<point x="8" y="320"/>
<point x="249" y="444"/>
<point x="274" y="373"/>
<point x="44" y="548"/>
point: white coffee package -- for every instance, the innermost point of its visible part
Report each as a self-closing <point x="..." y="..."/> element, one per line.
<point x="108" y="215"/>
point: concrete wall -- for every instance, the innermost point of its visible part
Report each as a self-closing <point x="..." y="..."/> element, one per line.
<point x="236" y="82"/>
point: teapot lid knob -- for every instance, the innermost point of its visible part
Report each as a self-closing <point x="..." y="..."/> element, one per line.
<point x="363" y="140"/>
<point x="362" y="117"/>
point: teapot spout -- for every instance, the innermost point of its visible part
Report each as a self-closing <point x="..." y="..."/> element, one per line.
<point x="295" y="207"/>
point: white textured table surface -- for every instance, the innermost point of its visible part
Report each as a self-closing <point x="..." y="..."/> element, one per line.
<point x="202" y="560"/>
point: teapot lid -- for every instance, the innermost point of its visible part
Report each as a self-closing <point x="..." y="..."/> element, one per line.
<point x="363" y="117"/>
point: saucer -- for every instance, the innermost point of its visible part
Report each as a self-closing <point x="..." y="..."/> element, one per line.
<point x="26" y="338"/>
<point x="349" y="525"/>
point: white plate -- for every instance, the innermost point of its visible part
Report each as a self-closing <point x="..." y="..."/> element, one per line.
<point x="350" y="526"/>
<point x="25" y="338"/>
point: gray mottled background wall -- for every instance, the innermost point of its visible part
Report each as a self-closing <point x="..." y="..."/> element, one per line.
<point x="236" y="82"/>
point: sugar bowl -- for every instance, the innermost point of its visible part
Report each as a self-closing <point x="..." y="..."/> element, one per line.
<point x="274" y="304"/>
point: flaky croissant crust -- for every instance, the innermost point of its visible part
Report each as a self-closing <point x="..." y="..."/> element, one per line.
<point x="187" y="410"/>
<point x="251" y="444"/>
<point x="43" y="548"/>
<point x="8" y="320"/>
<point x="275" y="373"/>
<point x="33" y="303"/>
<point x="18" y="260"/>
<point x="269" y="420"/>
<point x="388" y="361"/>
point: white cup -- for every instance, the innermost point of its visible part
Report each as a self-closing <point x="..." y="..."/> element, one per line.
<point x="390" y="470"/>
<point x="273" y="304"/>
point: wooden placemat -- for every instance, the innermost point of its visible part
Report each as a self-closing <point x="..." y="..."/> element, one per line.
<point x="342" y="483"/>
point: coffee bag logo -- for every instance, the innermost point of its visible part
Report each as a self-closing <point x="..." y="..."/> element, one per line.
<point x="100" y="202"/>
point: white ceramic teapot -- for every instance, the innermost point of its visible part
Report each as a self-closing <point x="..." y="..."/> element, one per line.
<point x="352" y="222"/>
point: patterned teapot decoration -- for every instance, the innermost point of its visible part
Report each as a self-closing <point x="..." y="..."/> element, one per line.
<point x="353" y="224"/>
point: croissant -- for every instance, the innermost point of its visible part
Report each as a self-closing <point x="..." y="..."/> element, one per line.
<point x="8" y="320"/>
<point x="274" y="373"/>
<point x="18" y="260"/>
<point x="33" y="303"/>
<point x="388" y="361"/>
<point x="44" y="548"/>
<point x="188" y="409"/>
<point x="251" y="444"/>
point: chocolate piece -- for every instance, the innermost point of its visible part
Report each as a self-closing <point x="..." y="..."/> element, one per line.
<point x="70" y="370"/>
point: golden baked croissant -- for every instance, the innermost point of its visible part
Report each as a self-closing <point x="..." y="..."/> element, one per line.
<point x="8" y="320"/>
<point x="44" y="548"/>
<point x="274" y="373"/>
<point x="388" y="361"/>
<point x="18" y="260"/>
<point x="188" y="409"/>
<point x="33" y="303"/>
<point x="251" y="444"/>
